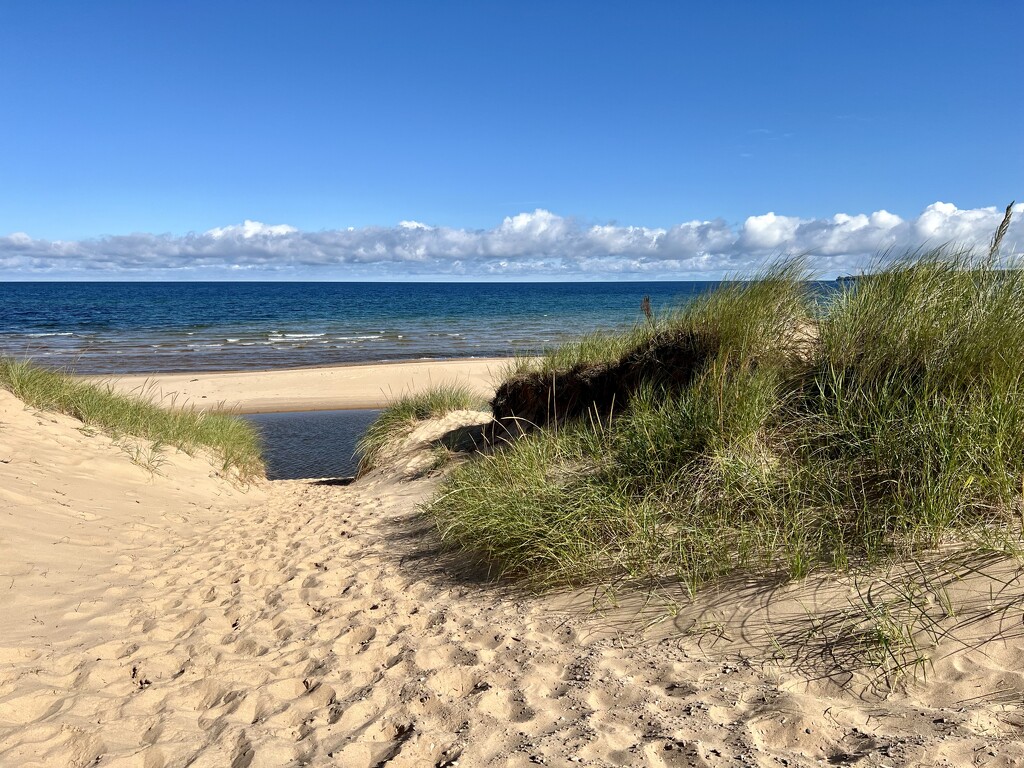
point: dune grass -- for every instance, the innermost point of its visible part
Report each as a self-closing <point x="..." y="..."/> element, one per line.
<point x="400" y="417"/>
<point x="231" y="439"/>
<point x="882" y="421"/>
<point x="708" y="315"/>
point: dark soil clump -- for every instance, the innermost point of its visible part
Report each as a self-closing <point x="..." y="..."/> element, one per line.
<point x="536" y="399"/>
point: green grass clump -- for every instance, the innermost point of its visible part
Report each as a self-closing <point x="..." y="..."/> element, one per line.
<point x="402" y="415"/>
<point x="231" y="439"/>
<point x="590" y="349"/>
<point x="868" y="424"/>
<point x="777" y="295"/>
<point x="913" y="411"/>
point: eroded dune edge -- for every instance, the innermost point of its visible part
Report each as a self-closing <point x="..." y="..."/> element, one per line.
<point x="154" y="614"/>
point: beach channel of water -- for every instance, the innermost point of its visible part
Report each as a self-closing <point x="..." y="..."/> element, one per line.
<point x="311" y="444"/>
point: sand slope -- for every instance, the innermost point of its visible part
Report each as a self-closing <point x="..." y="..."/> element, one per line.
<point x="77" y="507"/>
<point x="317" y="626"/>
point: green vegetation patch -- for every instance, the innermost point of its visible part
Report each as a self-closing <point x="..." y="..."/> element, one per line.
<point x="400" y="417"/>
<point x="602" y="373"/>
<point x="883" y="420"/>
<point x="231" y="439"/>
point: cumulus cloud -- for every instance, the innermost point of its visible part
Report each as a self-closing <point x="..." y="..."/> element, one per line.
<point x="531" y="245"/>
<point x="250" y="229"/>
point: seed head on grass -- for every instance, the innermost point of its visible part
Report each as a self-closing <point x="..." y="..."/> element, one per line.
<point x="1004" y="226"/>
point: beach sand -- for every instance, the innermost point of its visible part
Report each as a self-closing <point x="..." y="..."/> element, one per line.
<point x="171" y="619"/>
<point x="311" y="389"/>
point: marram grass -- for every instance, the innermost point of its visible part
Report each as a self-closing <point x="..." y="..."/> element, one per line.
<point x="230" y="439"/>
<point x="400" y="417"/>
<point x="883" y="420"/>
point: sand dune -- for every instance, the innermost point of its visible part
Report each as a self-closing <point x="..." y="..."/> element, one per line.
<point x="311" y="623"/>
<point x="76" y="508"/>
<point x="311" y="389"/>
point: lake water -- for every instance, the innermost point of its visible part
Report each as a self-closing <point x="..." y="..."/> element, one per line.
<point x="314" y="444"/>
<point x="122" y="328"/>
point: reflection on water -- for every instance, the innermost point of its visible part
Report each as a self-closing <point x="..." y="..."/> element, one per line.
<point x="313" y="444"/>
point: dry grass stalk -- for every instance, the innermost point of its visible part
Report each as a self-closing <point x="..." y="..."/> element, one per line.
<point x="997" y="238"/>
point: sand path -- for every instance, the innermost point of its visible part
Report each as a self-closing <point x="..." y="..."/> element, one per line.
<point x="303" y="632"/>
<point x="315" y="626"/>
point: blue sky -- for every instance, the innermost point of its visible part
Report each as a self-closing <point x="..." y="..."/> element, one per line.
<point x="173" y="118"/>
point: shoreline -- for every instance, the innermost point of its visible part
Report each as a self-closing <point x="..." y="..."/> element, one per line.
<point x="102" y="376"/>
<point x="355" y="386"/>
<point x="314" y="367"/>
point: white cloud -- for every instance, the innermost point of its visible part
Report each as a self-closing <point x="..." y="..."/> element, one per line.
<point x="539" y="224"/>
<point x="884" y="220"/>
<point x="249" y="229"/>
<point x="769" y="231"/>
<point x="944" y="221"/>
<point x="535" y="245"/>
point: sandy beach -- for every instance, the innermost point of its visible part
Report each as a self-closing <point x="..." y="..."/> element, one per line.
<point x="164" y="617"/>
<point x="311" y="389"/>
<point x="479" y="385"/>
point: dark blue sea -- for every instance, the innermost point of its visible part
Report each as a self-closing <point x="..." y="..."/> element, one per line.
<point x="122" y="328"/>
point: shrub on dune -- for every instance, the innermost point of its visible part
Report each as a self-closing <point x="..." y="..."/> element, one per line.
<point x="871" y="422"/>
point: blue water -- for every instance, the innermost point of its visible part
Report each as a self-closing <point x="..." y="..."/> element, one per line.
<point x="102" y="328"/>
<point x="316" y="444"/>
